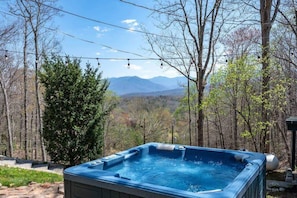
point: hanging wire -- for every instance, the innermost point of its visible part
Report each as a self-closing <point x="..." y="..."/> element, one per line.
<point x="118" y="58"/>
<point x="102" y="22"/>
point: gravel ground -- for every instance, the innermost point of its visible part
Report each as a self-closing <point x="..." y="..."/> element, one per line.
<point x="34" y="190"/>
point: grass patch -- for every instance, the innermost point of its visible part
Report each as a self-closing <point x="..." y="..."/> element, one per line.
<point x="14" y="177"/>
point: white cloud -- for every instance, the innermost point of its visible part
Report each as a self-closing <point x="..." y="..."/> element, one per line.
<point x="129" y="21"/>
<point x="97" y="28"/>
<point x="113" y="50"/>
<point x="131" y="29"/>
<point x="99" y="31"/>
<point x="133" y="67"/>
<point x="104" y="30"/>
<point x="132" y="24"/>
<point x="98" y="53"/>
<point x="109" y="49"/>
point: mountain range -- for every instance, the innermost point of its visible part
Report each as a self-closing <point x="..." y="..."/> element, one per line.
<point x="133" y="86"/>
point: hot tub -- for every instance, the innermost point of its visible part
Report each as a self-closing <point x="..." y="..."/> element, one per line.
<point x="164" y="170"/>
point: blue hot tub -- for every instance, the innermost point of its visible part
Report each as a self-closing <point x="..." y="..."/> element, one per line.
<point x="163" y="170"/>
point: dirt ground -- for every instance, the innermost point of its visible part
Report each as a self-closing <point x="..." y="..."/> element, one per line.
<point x="34" y="190"/>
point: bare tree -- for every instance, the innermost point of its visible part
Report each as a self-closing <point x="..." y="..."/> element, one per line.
<point x="36" y="15"/>
<point x="4" y="87"/>
<point x="189" y="34"/>
<point x="6" y="73"/>
<point x="286" y="51"/>
<point x="25" y="71"/>
<point x="285" y="54"/>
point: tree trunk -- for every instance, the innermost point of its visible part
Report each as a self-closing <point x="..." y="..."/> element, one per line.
<point x="8" y="123"/>
<point x="235" y="121"/>
<point x="189" y="110"/>
<point x="39" y="114"/>
<point x="265" y="30"/>
<point x="200" y="119"/>
<point x="25" y="90"/>
<point x="266" y="24"/>
<point x="39" y="111"/>
<point x="35" y="15"/>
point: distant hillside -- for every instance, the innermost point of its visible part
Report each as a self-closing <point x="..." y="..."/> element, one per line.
<point x="171" y="92"/>
<point x="170" y="83"/>
<point x="133" y="85"/>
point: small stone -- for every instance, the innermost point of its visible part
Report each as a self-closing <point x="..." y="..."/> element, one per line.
<point x="4" y="187"/>
<point x="281" y="189"/>
<point x="21" y="188"/>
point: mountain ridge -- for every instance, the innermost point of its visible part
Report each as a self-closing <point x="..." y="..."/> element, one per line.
<point x="133" y="85"/>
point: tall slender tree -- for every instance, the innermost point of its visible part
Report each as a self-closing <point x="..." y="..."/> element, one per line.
<point x="25" y="105"/>
<point x="238" y="44"/>
<point x="267" y="17"/>
<point x="7" y="72"/>
<point x="190" y="34"/>
<point x="35" y="14"/>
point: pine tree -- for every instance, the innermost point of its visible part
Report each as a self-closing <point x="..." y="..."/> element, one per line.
<point x="74" y="116"/>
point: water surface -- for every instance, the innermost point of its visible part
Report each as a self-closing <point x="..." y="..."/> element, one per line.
<point x="193" y="176"/>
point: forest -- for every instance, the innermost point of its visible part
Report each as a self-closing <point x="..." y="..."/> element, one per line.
<point x="239" y="58"/>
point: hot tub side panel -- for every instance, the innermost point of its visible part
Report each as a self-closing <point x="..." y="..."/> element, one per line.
<point x="79" y="187"/>
<point x="257" y="187"/>
<point x="79" y="190"/>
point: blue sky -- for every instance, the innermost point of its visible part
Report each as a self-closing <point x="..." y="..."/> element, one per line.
<point x="108" y="41"/>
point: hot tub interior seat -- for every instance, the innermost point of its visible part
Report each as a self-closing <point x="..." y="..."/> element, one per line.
<point x="175" y="152"/>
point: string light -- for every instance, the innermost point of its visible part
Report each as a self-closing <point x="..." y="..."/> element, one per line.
<point x="122" y="58"/>
<point x="6" y="56"/>
<point x="128" y="63"/>
<point x="88" y="41"/>
<point x="96" y="58"/>
<point x="161" y="65"/>
<point x="98" y="62"/>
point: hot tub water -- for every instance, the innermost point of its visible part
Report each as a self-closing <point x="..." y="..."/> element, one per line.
<point x="193" y="176"/>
